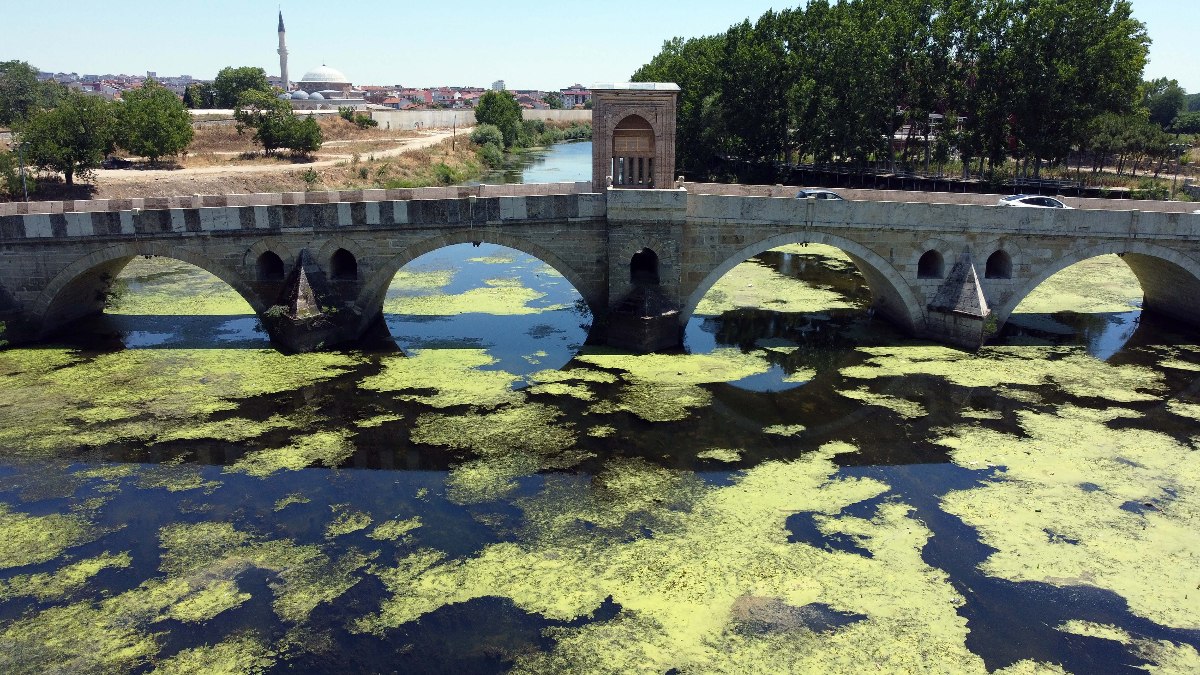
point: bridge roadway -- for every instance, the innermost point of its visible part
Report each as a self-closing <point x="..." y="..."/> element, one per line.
<point x="641" y="259"/>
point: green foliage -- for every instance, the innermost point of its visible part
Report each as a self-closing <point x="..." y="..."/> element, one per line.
<point x="1193" y="103"/>
<point x="21" y="95"/>
<point x="199" y="95"/>
<point x="837" y="81"/>
<point x="487" y="133"/>
<point x="554" y="100"/>
<point x="153" y="122"/>
<point x="491" y="155"/>
<point x="303" y="137"/>
<point x="1186" y="123"/>
<point x="500" y="109"/>
<point x="10" y="176"/>
<point x="232" y="83"/>
<point x="73" y="137"/>
<point x="447" y="175"/>
<point x="358" y="119"/>
<point x="275" y="126"/>
<point x="1165" y="99"/>
<point x="310" y="178"/>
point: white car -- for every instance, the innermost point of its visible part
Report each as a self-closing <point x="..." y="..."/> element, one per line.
<point x="819" y="194"/>
<point x="1033" y="202"/>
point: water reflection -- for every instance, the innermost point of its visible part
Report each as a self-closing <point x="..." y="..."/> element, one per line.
<point x="560" y="163"/>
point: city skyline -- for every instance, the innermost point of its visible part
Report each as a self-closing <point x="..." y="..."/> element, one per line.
<point x="482" y="43"/>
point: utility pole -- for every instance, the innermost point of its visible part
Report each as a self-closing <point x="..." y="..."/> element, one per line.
<point x="21" y="163"/>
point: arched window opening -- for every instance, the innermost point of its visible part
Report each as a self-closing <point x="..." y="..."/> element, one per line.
<point x="930" y="266"/>
<point x="343" y="266"/>
<point x="270" y="267"/>
<point x="633" y="153"/>
<point x="643" y="268"/>
<point x="999" y="266"/>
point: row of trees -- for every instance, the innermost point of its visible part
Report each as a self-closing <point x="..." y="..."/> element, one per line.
<point x="226" y="90"/>
<point x="837" y="81"/>
<point x="62" y="130"/>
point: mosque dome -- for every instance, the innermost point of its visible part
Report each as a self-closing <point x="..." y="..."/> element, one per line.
<point x="325" y="74"/>
<point x="316" y="96"/>
<point x="299" y="95"/>
<point x="284" y="97"/>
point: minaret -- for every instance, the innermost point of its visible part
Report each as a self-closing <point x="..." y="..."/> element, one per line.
<point x="283" y="74"/>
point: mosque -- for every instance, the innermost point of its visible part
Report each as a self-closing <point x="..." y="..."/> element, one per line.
<point x="322" y="88"/>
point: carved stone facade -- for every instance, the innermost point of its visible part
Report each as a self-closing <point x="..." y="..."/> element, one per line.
<point x="633" y="135"/>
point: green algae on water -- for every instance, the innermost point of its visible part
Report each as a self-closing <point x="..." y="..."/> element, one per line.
<point x="65" y="581"/>
<point x="674" y="614"/>
<point x="346" y="521"/>
<point x="92" y="402"/>
<point x="720" y="455"/>
<point x="29" y="540"/>
<point x="289" y="500"/>
<point x="753" y="285"/>
<point x="1070" y="369"/>
<point x="1101" y="284"/>
<point x="177" y="289"/>
<point x="443" y="378"/>
<point x="394" y="530"/>
<point x="785" y="429"/>
<point x="902" y="407"/>
<point x="238" y="655"/>
<point x="499" y="298"/>
<point x="1077" y="502"/>
<point x="325" y="448"/>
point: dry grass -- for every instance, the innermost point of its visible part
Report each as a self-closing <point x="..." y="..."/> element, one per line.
<point x="225" y="138"/>
<point x="417" y="168"/>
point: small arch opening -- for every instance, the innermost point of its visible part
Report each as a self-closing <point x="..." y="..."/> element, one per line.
<point x="343" y="266"/>
<point x="999" y="266"/>
<point x="270" y="267"/>
<point x="931" y="266"/>
<point x="633" y="148"/>
<point x="643" y="268"/>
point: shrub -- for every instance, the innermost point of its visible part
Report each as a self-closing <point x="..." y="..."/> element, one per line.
<point x="446" y="175"/>
<point x="487" y="133"/>
<point x="10" y="176"/>
<point x="365" y="121"/>
<point x="491" y="155"/>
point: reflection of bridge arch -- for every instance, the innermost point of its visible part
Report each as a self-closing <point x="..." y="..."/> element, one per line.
<point x="370" y="299"/>
<point x="82" y="287"/>
<point x="1168" y="279"/>
<point x="890" y="294"/>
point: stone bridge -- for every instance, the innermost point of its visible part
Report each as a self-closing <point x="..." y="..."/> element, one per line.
<point x="316" y="266"/>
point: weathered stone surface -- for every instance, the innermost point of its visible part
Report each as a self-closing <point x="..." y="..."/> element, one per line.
<point x="53" y="264"/>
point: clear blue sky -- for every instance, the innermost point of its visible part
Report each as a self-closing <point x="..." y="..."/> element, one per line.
<point x="529" y="44"/>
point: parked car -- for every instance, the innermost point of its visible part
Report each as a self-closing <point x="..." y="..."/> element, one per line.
<point x="819" y="194"/>
<point x="1033" y="202"/>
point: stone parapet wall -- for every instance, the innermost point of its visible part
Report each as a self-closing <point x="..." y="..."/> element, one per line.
<point x="291" y="198"/>
<point x="913" y="197"/>
<point x="442" y="210"/>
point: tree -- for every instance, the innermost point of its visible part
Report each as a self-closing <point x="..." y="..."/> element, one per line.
<point x="500" y="108"/>
<point x="153" y="122"/>
<point x="267" y="116"/>
<point x="1186" y="123"/>
<point x="303" y="137"/>
<point x="73" y="137"/>
<point x="21" y="94"/>
<point x="1164" y="99"/>
<point x="275" y="126"/>
<point x="198" y="95"/>
<point x="554" y="100"/>
<point x="231" y="83"/>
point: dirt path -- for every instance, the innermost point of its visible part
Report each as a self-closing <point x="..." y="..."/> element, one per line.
<point x="104" y="176"/>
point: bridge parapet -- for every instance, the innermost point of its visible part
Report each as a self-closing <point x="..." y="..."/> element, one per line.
<point x="295" y="198"/>
<point x="319" y="215"/>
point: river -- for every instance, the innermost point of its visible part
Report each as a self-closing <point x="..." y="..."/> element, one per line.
<point x="800" y="489"/>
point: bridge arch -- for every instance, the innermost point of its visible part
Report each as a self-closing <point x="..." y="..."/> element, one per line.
<point x="890" y="294"/>
<point x="375" y="287"/>
<point x="1170" y="280"/>
<point x="82" y="287"/>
